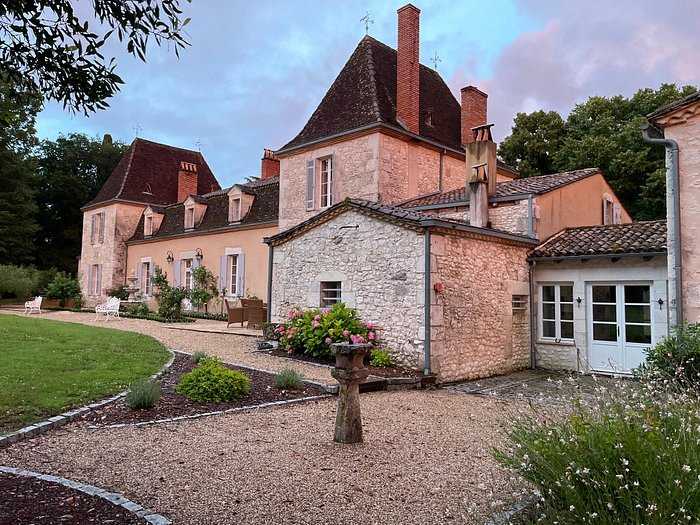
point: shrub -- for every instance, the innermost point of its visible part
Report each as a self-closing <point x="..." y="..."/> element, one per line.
<point x="143" y="394"/>
<point x="205" y="287"/>
<point x="18" y="281"/>
<point x="198" y="356"/>
<point x="212" y="382"/>
<point x="312" y="331"/>
<point x="631" y="462"/>
<point x="63" y="287"/>
<point x="138" y="309"/>
<point x="675" y="357"/>
<point x="270" y="332"/>
<point x="169" y="298"/>
<point x="288" y="379"/>
<point x="120" y="292"/>
<point x="380" y="358"/>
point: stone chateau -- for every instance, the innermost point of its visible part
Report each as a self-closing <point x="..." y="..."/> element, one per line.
<point x="391" y="199"/>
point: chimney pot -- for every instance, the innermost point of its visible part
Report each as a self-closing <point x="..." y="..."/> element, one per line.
<point x="186" y="180"/>
<point x="408" y="68"/>
<point x="474" y="106"/>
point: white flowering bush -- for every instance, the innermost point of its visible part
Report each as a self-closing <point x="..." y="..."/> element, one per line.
<point x="628" y="455"/>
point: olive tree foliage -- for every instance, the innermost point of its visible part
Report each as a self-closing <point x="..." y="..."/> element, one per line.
<point x="55" y="47"/>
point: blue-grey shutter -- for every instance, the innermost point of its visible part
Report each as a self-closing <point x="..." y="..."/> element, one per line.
<point x="99" y="280"/>
<point x="196" y="263"/>
<point x="310" y="184"/>
<point x="222" y="272"/>
<point x="90" y="283"/>
<point x="241" y="275"/>
<point x="102" y="227"/>
<point x="139" y="267"/>
<point x="176" y="272"/>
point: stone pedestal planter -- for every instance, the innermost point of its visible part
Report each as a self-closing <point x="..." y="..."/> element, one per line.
<point x="349" y="371"/>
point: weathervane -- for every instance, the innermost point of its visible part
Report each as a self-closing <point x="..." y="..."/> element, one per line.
<point x="137" y="129"/>
<point x="436" y="60"/>
<point x="368" y="21"/>
<point x="198" y="145"/>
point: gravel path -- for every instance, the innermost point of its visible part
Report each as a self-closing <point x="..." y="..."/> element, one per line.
<point x="233" y="349"/>
<point x="426" y="460"/>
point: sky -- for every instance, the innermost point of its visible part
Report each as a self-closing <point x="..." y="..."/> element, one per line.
<point x="255" y="71"/>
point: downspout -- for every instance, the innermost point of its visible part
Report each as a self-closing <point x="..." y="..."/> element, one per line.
<point x="440" y="184"/>
<point x="653" y="135"/>
<point x="533" y="321"/>
<point x="426" y="300"/>
<point x="270" y="253"/>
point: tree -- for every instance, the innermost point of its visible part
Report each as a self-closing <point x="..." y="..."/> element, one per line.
<point x="600" y="132"/>
<point x="18" y="111"/>
<point x="536" y="137"/>
<point x="46" y="46"/>
<point x="70" y="172"/>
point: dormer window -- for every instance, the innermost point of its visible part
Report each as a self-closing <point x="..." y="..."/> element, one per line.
<point x="235" y="210"/>
<point x="189" y="217"/>
<point x="147" y="190"/>
<point x="148" y="226"/>
<point x="429" y="118"/>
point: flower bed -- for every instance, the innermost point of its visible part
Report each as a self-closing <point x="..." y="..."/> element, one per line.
<point x="205" y="315"/>
<point x="171" y="404"/>
<point x="155" y="317"/>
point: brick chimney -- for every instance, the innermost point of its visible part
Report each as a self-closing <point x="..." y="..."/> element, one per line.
<point x="186" y="180"/>
<point x="270" y="165"/>
<point x="481" y="174"/>
<point x="408" y="68"/>
<point x="473" y="111"/>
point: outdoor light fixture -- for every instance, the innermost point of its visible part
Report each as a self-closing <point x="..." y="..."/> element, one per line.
<point x="198" y="254"/>
<point x="661" y="303"/>
<point x="578" y="301"/>
<point x="170" y="257"/>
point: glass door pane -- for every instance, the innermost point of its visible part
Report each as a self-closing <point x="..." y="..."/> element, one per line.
<point x="638" y="314"/>
<point x="604" y="312"/>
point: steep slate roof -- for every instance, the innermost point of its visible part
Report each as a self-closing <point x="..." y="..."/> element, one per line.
<point x="156" y="165"/>
<point x="264" y="210"/>
<point x="673" y="106"/>
<point x="613" y="239"/>
<point x="364" y="93"/>
<point x="410" y="219"/>
<point x="513" y="188"/>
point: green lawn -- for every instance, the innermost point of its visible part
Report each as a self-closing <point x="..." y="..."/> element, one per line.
<point x="47" y="367"/>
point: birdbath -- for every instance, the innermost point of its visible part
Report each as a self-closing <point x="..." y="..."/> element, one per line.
<point x="350" y="371"/>
<point x="132" y="288"/>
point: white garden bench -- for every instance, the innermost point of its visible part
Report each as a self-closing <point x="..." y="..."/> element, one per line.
<point x="108" y="309"/>
<point x="33" y="306"/>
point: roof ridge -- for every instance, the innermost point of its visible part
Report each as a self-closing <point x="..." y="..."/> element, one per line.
<point x="373" y="83"/>
<point x="132" y="150"/>
<point x="620" y="225"/>
<point x="140" y="139"/>
<point x="553" y="174"/>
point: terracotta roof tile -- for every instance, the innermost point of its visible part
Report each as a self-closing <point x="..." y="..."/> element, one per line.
<point x="535" y="185"/>
<point x="156" y="165"/>
<point x="364" y="93"/>
<point x="673" y="106"/>
<point x="613" y="239"/>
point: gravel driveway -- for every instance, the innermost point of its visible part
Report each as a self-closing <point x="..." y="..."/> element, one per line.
<point x="233" y="349"/>
<point x="426" y="460"/>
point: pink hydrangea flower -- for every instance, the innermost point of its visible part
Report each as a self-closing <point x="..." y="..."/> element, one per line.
<point x="315" y="323"/>
<point x="371" y="336"/>
<point x="328" y="340"/>
<point x="369" y="326"/>
<point x="346" y="333"/>
<point x="357" y="339"/>
<point x="317" y="318"/>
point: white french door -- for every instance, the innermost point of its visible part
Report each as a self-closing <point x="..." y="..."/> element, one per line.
<point x="619" y="326"/>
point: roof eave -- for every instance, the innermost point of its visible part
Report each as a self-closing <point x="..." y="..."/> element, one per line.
<point x="555" y="258"/>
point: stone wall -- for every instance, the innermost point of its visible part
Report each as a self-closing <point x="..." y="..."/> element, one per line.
<point x="510" y="216"/>
<point x="687" y="133"/>
<point x="475" y="332"/>
<point x="380" y="266"/>
<point x="355" y="174"/>
<point x="120" y="223"/>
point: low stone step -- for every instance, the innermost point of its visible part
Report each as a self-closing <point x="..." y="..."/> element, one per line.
<point x="373" y="384"/>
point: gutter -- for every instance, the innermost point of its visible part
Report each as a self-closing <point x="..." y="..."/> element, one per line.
<point x="596" y="256"/>
<point x="212" y="231"/>
<point x="270" y="253"/>
<point x="426" y="305"/>
<point x="653" y="135"/>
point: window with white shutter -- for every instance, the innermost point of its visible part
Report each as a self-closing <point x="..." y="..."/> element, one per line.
<point x="310" y="184"/>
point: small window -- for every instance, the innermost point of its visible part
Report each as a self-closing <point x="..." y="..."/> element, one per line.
<point x="147" y="190"/>
<point x="189" y="218"/>
<point x="557" y="312"/>
<point x="326" y="182"/>
<point x="519" y="303"/>
<point x="608" y="213"/>
<point x="331" y="293"/>
<point x="146" y="279"/>
<point x="95" y="284"/>
<point x="429" y="118"/>
<point x="97" y="228"/>
<point x="235" y="210"/>
<point x="148" y="226"/>
<point x="233" y="275"/>
<point x="187" y="269"/>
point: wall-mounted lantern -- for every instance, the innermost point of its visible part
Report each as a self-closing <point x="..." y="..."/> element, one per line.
<point x="661" y="303"/>
<point x="170" y="257"/>
<point x="198" y="254"/>
<point x="578" y="302"/>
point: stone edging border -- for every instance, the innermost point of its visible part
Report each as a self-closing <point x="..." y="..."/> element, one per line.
<point x="66" y="417"/>
<point x="113" y="497"/>
<point x="248" y="408"/>
<point x="505" y="517"/>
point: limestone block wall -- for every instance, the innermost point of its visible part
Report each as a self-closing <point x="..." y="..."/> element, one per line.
<point x="475" y="332"/>
<point x="511" y="216"/>
<point x="379" y="265"/>
<point x="355" y="174"/>
<point x="120" y="221"/>
<point x="687" y="133"/>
